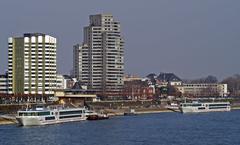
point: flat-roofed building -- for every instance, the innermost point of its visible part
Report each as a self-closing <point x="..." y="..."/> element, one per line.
<point x="32" y="64"/>
<point x="203" y="90"/>
<point x="99" y="61"/>
<point x="65" y="81"/>
<point x="75" y="96"/>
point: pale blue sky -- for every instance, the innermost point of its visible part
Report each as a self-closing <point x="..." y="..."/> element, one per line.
<point x="192" y="38"/>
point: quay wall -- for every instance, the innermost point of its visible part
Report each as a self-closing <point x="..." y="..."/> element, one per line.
<point x="125" y="104"/>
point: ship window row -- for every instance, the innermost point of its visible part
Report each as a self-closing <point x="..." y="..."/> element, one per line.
<point x="50" y="118"/>
<point x="194" y="105"/>
<point x="212" y="105"/>
<point x="71" y="116"/>
<point x="34" y="113"/>
<point x="71" y="112"/>
<point x="217" y="107"/>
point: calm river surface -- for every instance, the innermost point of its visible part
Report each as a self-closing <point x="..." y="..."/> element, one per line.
<point x="220" y="128"/>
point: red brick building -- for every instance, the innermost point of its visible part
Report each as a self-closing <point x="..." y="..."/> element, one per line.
<point x="138" y="90"/>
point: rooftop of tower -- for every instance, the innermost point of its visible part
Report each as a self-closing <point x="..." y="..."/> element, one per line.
<point x="33" y="34"/>
<point x="103" y="15"/>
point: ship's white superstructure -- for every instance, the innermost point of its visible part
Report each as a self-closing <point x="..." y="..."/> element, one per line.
<point x="50" y="116"/>
<point x="196" y="107"/>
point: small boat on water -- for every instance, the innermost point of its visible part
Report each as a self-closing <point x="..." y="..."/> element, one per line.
<point x="196" y="107"/>
<point x="173" y="106"/>
<point x="131" y="113"/>
<point x="98" y="117"/>
<point x="51" y="115"/>
<point x="91" y="115"/>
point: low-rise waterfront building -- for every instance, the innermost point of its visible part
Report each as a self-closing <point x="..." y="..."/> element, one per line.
<point x="203" y="90"/>
<point x="65" y="81"/>
<point x="170" y="84"/>
<point x="138" y="90"/>
<point x="75" y="96"/>
<point x="78" y="94"/>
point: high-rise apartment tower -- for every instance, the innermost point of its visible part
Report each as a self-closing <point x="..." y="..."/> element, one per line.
<point x="99" y="61"/>
<point x="32" y="64"/>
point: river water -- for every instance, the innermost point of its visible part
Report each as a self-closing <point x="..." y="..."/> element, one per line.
<point x="218" y="128"/>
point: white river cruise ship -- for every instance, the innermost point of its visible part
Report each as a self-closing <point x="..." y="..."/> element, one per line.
<point x="196" y="107"/>
<point x="43" y="116"/>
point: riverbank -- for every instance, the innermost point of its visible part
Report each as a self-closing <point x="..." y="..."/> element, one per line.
<point x="139" y="108"/>
<point x="110" y="112"/>
<point x="236" y="108"/>
<point x="4" y="121"/>
<point x="113" y="113"/>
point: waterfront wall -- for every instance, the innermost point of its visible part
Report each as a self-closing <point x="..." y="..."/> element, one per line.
<point x="125" y="104"/>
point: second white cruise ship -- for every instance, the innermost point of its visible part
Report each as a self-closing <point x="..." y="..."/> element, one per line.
<point x="43" y="116"/>
<point x="196" y="107"/>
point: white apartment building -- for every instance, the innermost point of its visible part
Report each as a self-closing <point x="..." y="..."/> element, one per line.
<point x="99" y="61"/>
<point x="201" y="90"/>
<point x="3" y="84"/>
<point x="32" y="64"/>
